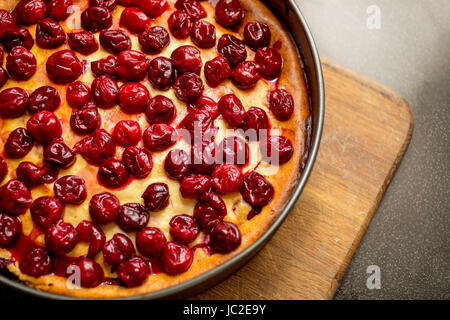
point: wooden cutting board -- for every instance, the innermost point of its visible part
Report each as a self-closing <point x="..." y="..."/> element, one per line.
<point x="367" y="130"/>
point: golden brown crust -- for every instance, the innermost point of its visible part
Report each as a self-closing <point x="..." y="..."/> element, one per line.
<point x="292" y="79"/>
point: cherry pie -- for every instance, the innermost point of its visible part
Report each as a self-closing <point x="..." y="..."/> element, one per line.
<point x="143" y="142"/>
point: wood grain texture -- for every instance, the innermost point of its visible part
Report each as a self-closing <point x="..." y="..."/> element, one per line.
<point x="367" y="130"/>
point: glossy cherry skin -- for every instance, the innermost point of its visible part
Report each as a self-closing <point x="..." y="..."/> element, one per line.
<point x="270" y="61"/>
<point x="36" y="262"/>
<point x="13" y="102"/>
<point x="31" y="11"/>
<point x="177" y="164"/>
<point x="281" y="104"/>
<point x="10" y="229"/>
<point x="89" y="232"/>
<point x="161" y="72"/>
<point x="217" y="70"/>
<point x="96" y="18"/>
<point x="104" y="208"/>
<point x="132" y="65"/>
<point x="58" y="154"/>
<point x="63" y="67"/>
<point x="45" y="98"/>
<point x="229" y="13"/>
<point x="91" y="273"/>
<point x="58" y="9"/>
<point x="105" y="92"/>
<point x="246" y="74"/>
<point x="152" y="8"/>
<point x="133" y="97"/>
<point x="21" y="63"/>
<point x="30" y="174"/>
<point x="203" y="155"/>
<point x="85" y="120"/>
<point x="3" y="168"/>
<point x="176" y="258"/>
<point x="114" y="41"/>
<point x="78" y="94"/>
<point x="105" y="67"/>
<point x="206" y="104"/>
<point x="113" y="173"/>
<point x="44" y="126"/>
<point x="70" y="189"/>
<point x="210" y="210"/>
<point x="127" y="133"/>
<point x="193" y="187"/>
<point x="154" y="39"/>
<point x="227" y="178"/>
<point x="180" y="24"/>
<point x="256" y="125"/>
<point x="83" y="41"/>
<point x="15" y="198"/>
<point x="189" y="86"/>
<point x="3" y="77"/>
<point x="256" y="190"/>
<point x="46" y="211"/>
<point x="160" y="109"/>
<point x="257" y="35"/>
<point x="137" y="161"/>
<point x="233" y="149"/>
<point x="187" y="59"/>
<point x="108" y="4"/>
<point x="192" y="7"/>
<point x="203" y="34"/>
<point x="133" y="271"/>
<point x="199" y="124"/>
<point x="183" y="229"/>
<point x="61" y="238"/>
<point x="277" y="149"/>
<point x="19" y="143"/>
<point x="127" y="3"/>
<point x="118" y="249"/>
<point x="232" y="48"/>
<point x="156" y="196"/>
<point x="150" y="242"/>
<point x="17" y="37"/>
<point x="232" y="110"/>
<point x="225" y="237"/>
<point x="132" y="217"/>
<point x="134" y="19"/>
<point x="49" y="34"/>
<point x="7" y="22"/>
<point x="159" y="136"/>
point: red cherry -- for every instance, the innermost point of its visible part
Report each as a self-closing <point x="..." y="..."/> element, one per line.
<point x="161" y="72"/>
<point x="232" y="48"/>
<point x="256" y="125"/>
<point x="83" y="41"/>
<point x="154" y="39"/>
<point x="256" y="190"/>
<point x="246" y="74"/>
<point x="44" y="126"/>
<point x="21" y="63"/>
<point x="78" y="94"/>
<point x="30" y="174"/>
<point x="17" y="37"/>
<point x="203" y="156"/>
<point x="233" y="149"/>
<point x="133" y="272"/>
<point x="177" y="164"/>
<point x="61" y="238"/>
<point x="217" y="70"/>
<point x="58" y="154"/>
<point x="105" y="92"/>
<point x="276" y="149"/>
<point x="127" y="3"/>
<point x="137" y="161"/>
<point x="225" y="237"/>
<point x="180" y="24"/>
<point x="153" y="8"/>
<point x="159" y="136"/>
<point x="7" y="22"/>
<point x="30" y="12"/>
<point x="229" y="13"/>
<point x="127" y="133"/>
<point x="49" y="34"/>
<point x="189" y="86"/>
<point x="232" y="110"/>
<point x="108" y="4"/>
<point x="176" y="258"/>
<point x="199" y="124"/>
<point x="281" y="104"/>
<point x="270" y="61"/>
<point x="133" y="97"/>
<point x="187" y="59"/>
<point x="156" y="196"/>
<point x="132" y="217"/>
<point x="227" y="178"/>
<point x="46" y="211"/>
<point x="132" y="65"/>
<point x="45" y="98"/>
<point x="58" y="9"/>
<point x="206" y="104"/>
<point x="63" y="67"/>
<point x="134" y="19"/>
<point x="19" y="143"/>
<point x="192" y="7"/>
<point x="3" y="77"/>
<point x="210" y="210"/>
<point x="105" y="67"/>
<point x="3" y="168"/>
<point x="15" y="198"/>
<point x="36" y="262"/>
<point x="85" y="120"/>
<point x="194" y="187"/>
<point x="10" y="229"/>
<point x="183" y="229"/>
<point x="113" y="173"/>
<point x="203" y="34"/>
<point x="104" y="208"/>
<point x="89" y="232"/>
<point x="13" y="102"/>
<point x="160" y="109"/>
<point x="90" y="272"/>
<point x="96" y="18"/>
<point x="257" y="35"/>
<point x="118" y="249"/>
<point x="70" y="189"/>
<point x="150" y="242"/>
<point x="114" y="41"/>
